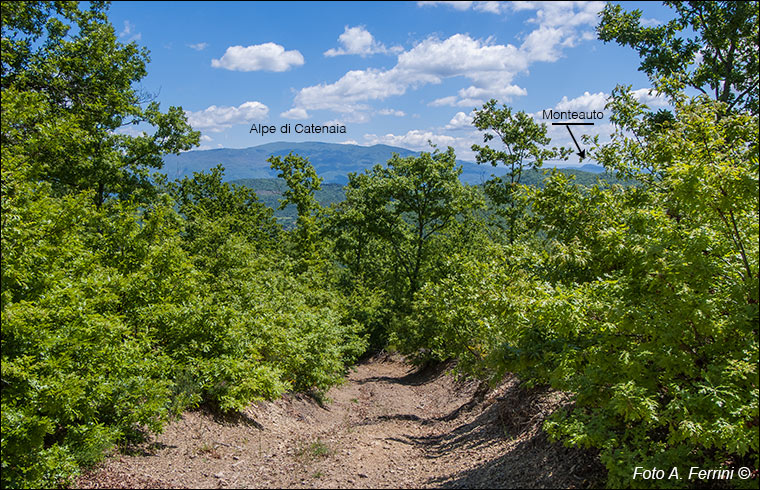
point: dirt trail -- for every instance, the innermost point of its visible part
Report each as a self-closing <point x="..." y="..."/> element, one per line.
<point x="388" y="426"/>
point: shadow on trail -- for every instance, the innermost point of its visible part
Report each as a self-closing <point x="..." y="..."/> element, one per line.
<point x="532" y="462"/>
<point x="416" y="377"/>
<point x="232" y="417"/>
<point x="524" y="457"/>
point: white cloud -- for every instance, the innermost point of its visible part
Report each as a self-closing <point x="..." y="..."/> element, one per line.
<point x="450" y="100"/>
<point x="502" y="7"/>
<point x="414" y="140"/>
<point x="586" y="102"/>
<point x="129" y="131"/>
<point x="206" y="139"/>
<point x="433" y="59"/>
<point x="482" y="6"/>
<point x="264" y="57"/>
<point x="356" y="117"/>
<point x="597" y="101"/>
<point x="476" y="95"/>
<point x="560" y="24"/>
<point x="351" y="90"/>
<point x="357" y="40"/>
<point x="455" y="5"/>
<point x="491" y="7"/>
<point x="129" y="33"/>
<point x="334" y="122"/>
<point x="650" y="22"/>
<point x="541" y="44"/>
<point x="198" y="46"/>
<point x="650" y="97"/>
<point x="216" y="119"/>
<point x="208" y="147"/>
<point x="460" y="121"/>
<point x="295" y="113"/>
<point x="490" y="67"/>
<point x="419" y="140"/>
<point x="391" y="112"/>
<point x="591" y="102"/>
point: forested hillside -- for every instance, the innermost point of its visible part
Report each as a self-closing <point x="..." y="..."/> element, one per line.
<point x="270" y="191"/>
<point x="128" y="297"/>
<point x="333" y="162"/>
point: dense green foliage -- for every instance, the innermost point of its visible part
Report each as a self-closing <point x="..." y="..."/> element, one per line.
<point x="127" y="298"/>
<point x="525" y="148"/>
<point x="720" y="61"/>
<point x="640" y="300"/>
<point x="271" y="191"/>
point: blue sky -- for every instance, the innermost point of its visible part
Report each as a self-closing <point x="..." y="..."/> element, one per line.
<point x="398" y="73"/>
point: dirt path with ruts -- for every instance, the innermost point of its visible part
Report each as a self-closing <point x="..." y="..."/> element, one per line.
<point x="389" y="425"/>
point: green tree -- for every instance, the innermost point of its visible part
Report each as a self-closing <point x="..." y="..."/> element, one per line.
<point x="524" y="143"/>
<point x="68" y="87"/>
<point x="410" y="203"/>
<point x="709" y="46"/>
<point x="353" y="226"/>
<point x="302" y="180"/>
<point x="213" y="210"/>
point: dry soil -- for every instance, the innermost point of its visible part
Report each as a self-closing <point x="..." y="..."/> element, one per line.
<point x="389" y="425"/>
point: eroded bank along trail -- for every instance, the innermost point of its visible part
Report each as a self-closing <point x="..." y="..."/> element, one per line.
<point x="389" y="426"/>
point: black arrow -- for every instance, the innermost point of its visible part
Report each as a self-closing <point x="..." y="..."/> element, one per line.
<point x="581" y="153"/>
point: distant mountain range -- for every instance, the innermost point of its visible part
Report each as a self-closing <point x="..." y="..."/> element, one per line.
<point x="332" y="161"/>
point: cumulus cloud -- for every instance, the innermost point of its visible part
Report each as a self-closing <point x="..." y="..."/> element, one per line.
<point x="432" y="59"/>
<point x="560" y="24"/>
<point x="216" y="119"/>
<point x="460" y="121"/>
<point x="597" y="101"/>
<point x="349" y="93"/>
<point x="586" y="102"/>
<point x="358" y="41"/>
<point x="198" y="46"/>
<point x="295" y="113"/>
<point x="356" y="117"/>
<point x="489" y="67"/>
<point x="259" y="57"/>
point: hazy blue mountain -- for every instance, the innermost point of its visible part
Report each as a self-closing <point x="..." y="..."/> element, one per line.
<point x="332" y="161"/>
<point x="590" y="167"/>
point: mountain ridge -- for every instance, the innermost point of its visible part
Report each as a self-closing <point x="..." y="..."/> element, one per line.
<point x="332" y="161"/>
